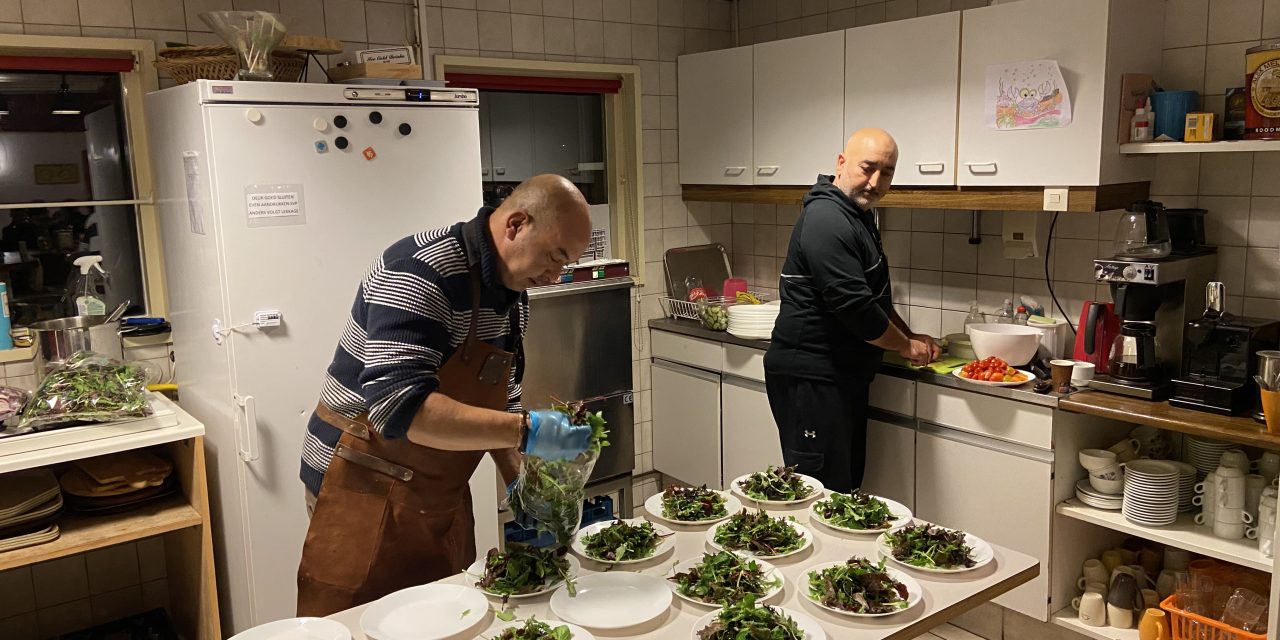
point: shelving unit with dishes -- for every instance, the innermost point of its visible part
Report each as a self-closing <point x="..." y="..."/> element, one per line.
<point x="1082" y="532"/>
<point x="182" y="519"/>
<point x="1219" y="146"/>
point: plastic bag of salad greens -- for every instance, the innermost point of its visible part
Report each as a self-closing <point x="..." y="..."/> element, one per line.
<point x="548" y="494"/>
<point x="87" y="387"/>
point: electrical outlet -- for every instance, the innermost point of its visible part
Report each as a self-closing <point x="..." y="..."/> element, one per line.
<point x="1055" y="199"/>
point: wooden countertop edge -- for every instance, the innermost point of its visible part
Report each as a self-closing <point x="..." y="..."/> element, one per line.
<point x="921" y="626"/>
<point x="1253" y="436"/>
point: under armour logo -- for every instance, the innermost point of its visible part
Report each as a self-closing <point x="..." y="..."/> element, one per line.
<point x="810" y="434"/>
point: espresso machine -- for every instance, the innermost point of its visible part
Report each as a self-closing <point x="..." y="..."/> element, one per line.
<point x="1154" y="299"/>
<point x="1218" y="362"/>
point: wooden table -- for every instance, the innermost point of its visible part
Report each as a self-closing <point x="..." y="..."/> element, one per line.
<point x="946" y="596"/>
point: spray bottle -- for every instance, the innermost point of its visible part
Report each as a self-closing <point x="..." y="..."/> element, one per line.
<point x="90" y="287"/>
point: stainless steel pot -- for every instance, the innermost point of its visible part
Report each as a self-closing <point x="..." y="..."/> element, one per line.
<point x="57" y="340"/>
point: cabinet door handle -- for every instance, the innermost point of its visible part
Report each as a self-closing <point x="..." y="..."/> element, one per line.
<point x="981" y="167"/>
<point x="734" y="171"/>
<point x="931" y="167"/>
<point x="247" y="440"/>
<point x="484" y="172"/>
<point x="766" y="170"/>
<point x="502" y="171"/>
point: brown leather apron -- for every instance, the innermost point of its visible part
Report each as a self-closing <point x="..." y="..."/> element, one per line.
<point x="392" y="514"/>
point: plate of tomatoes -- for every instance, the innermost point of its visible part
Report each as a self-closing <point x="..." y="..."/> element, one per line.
<point x="994" y="372"/>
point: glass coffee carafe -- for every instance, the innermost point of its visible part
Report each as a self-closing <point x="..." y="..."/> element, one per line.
<point x="1143" y="232"/>
<point x="1133" y="353"/>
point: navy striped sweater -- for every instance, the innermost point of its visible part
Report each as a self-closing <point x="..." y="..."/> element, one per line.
<point x="412" y="310"/>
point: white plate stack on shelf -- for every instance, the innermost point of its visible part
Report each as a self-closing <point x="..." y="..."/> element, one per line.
<point x="1097" y="499"/>
<point x="1151" y="492"/>
<point x="753" y="321"/>
<point x="1187" y="476"/>
<point x="1204" y="455"/>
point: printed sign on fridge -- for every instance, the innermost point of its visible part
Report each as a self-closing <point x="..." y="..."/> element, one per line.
<point x="268" y="205"/>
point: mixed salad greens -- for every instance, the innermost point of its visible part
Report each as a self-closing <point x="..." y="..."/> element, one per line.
<point x="623" y="541"/>
<point x="535" y="629"/>
<point x="758" y="533"/>
<point x="691" y="504"/>
<point x="858" y="586"/>
<point x="743" y="620"/>
<point x="780" y="484"/>
<point x="855" y="511"/>
<point x="521" y="570"/>
<point x="550" y="492"/>
<point x="930" y="547"/>
<point x="723" y="578"/>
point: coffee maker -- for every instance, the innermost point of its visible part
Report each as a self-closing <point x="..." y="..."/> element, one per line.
<point x="1154" y="300"/>
<point x="1218" y="361"/>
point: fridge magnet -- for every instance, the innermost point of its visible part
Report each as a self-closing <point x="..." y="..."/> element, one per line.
<point x="1027" y="95"/>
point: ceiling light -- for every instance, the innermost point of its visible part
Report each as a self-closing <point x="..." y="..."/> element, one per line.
<point x="63" y="103"/>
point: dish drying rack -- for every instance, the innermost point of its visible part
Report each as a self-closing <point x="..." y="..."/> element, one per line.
<point x="677" y="308"/>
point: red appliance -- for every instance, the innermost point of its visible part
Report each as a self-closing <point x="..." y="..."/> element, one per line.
<point x="1098" y="328"/>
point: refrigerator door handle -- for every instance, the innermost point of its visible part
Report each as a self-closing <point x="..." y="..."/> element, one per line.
<point x="247" y="437"/>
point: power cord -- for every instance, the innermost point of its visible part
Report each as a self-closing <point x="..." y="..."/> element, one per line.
<point x="1048" y="253"/>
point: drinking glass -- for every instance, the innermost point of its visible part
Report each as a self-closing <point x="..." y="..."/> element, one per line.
<point x="1244" y="609"/>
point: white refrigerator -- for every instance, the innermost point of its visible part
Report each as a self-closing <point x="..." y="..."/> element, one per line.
<point x="276" y="198"/>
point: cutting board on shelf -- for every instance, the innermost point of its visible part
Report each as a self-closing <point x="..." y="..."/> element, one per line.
<point x="127" y="467"/>
<point x="375" y="70"/>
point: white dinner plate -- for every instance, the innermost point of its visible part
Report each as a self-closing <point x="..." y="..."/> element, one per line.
<point x="297" y="629"/>
<point x="615" y="600"/>
<point x="575" y="632"/>
<point x="476" y="571"/>
<point x="811" y="628"/>
<point x="979" y="550"/>
<point x="665" y="544"/>
<point x="902" y="517"/>
<point x="653" y="506"/>
<point x="770" y="573"/>
<point x="1030" y="378"/>
<point x="801" y="529"/>
<point x="813" y="483"/>
<point x="915" y="592"/>
<point x="426" y="612"/>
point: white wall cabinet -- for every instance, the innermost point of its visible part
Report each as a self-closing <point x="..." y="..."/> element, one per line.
<point x="894" y="82"/>
<point x="1094" y="42"/>
<point x="686" y="423"/>
<point x="891" y="461"/>
<point x="798" y="92"/>
<point x="715" y="112"/>
<point x="748" y="433"/>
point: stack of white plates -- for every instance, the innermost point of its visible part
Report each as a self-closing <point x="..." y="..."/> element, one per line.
<point x="753" y="321"/>
<point x="1097" y="499"/>
<point x="1187" y="477"/>
<point x="1204" y="455"/>
<point x="1151" y="492"/>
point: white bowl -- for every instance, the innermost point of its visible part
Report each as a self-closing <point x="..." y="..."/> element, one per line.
<point x="1014" y="343"/>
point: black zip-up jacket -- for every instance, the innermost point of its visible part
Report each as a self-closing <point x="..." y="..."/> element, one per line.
<point x="835" y="292"/>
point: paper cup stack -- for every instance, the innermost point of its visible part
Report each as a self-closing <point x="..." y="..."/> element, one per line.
<point x="1151" y="489"/>
<point x="753" y="321"/>
<point x="1204" y="455"/>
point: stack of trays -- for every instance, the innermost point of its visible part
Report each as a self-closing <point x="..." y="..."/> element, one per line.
<point x="117" y="482"/>
<point x="30" y="502"/>
<point x="1097" y="499"/>
<point x="753" y="321"/>
<point x="1151" y="492"/>
<point x="1204" y="455"/>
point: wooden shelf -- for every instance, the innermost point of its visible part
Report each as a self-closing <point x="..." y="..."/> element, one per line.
<point x="1238" y="429"/>
<point x="1079" y="199"/>
<point x="85" y="533"/>
<point x="1184" y="534"/>
<point x="1221" y="146"/>
<point x="1067" y="618"/>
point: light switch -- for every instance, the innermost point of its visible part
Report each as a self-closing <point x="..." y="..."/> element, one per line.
<point x="1055" y="199"/>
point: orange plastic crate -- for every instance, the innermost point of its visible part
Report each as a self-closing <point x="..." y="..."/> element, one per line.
<point x="1189" y="626"/>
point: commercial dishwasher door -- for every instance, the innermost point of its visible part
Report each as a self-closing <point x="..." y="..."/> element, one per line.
<point x="578" y="346"/>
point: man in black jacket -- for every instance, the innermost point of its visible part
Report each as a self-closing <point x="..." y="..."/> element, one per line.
<point x="837" y="318"/>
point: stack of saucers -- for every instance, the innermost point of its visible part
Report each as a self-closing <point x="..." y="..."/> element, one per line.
<point x="1097" y="499"/>
<point x="753" y="321"/>
<point x="1204" y="455"/>
<point x="1186" y="485"/>
<point x="1151" y="492"/>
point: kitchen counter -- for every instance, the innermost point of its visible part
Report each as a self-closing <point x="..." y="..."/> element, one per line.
<point x="946" y="595"/>
<point x="1239" y="429"/>
<point x="892" y="365"/>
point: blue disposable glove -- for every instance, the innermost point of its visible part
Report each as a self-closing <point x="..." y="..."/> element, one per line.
<point x="552" y="437"/>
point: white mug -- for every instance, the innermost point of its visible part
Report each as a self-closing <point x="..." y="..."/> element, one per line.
<point x="1203" y="518"/>
<point x="1093" y="571"/>
<point x="1253" y="485"/>
<point x="1126" y="449"/>
<point x="1093" y="609"/>
<point x="1269" y="465"/>
<point x="1167" y="583"/>
<point x="1082" y="374"/>
<point x="1232" y="515"/>
<point x="1236" y="458"/>
<point x="1119" y="617"/>
<point x="1092" y="459"/>
<point x="1092" y="587"/>
<point x="1236" y="531"/>
<point x="1230" y="489"/>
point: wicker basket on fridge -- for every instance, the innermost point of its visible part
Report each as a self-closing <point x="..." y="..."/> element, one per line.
<point x="217" y="62"/>
<point x="1189" y="626"/>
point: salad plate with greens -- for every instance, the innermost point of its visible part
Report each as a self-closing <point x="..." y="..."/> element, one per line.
<point x="862" y="588"/>
<point x="934" y="549"/>
<point x="746" y="619"/>
<point x="692" y="505"/>
<point x="623" y="541"/>
<point x="860" y="513"/>
<point x="522" y="571"/>
<point x="535" y="629"/>
<point x="760" y="535"/>
<point x="777" y="486"/>
<point x="715" y="579"/>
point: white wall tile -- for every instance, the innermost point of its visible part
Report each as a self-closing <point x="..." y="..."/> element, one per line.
<point x="59" y="581"/>
<point x="112" y="568"/>
<point x="766" y="239"/>
<point x="1072" y="260"/>
<point x="926" y="251"/>
<point x="674" y="212"/>
<point x="668" y="112"/>
<point x="991" y="260"/>
<point x="897" y="247"/>
<point x="461" y="30"/>
<point x="117" y="604"/>
<point x="1234" y="20"/>
<point x="992" y="292"/>
<point x="389" y="23"/>
<point x="765" y="213"/>
<point x="557" y="35"/>
<point x="345" y="20"/>
<point x="670" y="179"/>
<point x="900" y="283"/>
<point x="1176" y="174"/>
<point x="1263" y="273"/>
<point x="19" y="592"/>
<point x="22" y="627"/>
<point x="1185" y="23"/>
<point x="928" y="220"/>
<point x="958" y="290"/>
<point x="64" y="12"/>
<point x="644" y="45"/>
<point x="494" y="30"/>
<point x="1226" y="174"/>
<point x="952" y="322"/>
<point x="106" y="13"/>
<point x="588" y="36"/>
<point x="11" y="11"/>
<point x="617" y="40"/>
<point x="1183" y="69"/>
<point x="1231" y="269"/>
<point x="895" y="219"/>
<point x="675" y="238"/>
<point x="926" y="288"/>
<point x="1266" y="174"/>
<point x="958" y="255"/>
<point x="65" y="618"/>
<point x="1264" y="222"/>
<point x="651" y="142"/>
<point x="1224" y="67"/>
<point x="926" y="320"/>
<point x="1271" y="19"/>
